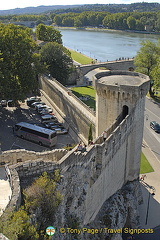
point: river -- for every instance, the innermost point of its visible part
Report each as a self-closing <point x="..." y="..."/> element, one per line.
<point x="105" y="45"/>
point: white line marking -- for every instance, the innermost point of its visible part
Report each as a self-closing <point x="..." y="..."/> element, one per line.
<point x="152" y="113"/>
<point x="151" y="151"/>
<point x="154" y="134"/>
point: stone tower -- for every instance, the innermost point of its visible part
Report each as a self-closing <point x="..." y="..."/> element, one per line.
<point x="122" y="93"/>
<point x="117" y="93"/>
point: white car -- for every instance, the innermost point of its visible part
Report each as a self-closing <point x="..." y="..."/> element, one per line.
<point x="35" y="104"/>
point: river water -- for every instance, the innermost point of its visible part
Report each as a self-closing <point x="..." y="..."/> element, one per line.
<point x="103" y="46"/>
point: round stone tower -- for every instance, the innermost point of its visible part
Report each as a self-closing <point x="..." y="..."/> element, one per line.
<point x="117" y="93"/>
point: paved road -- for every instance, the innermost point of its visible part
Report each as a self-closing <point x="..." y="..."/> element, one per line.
<point x="152" y="113"/>
<point x="10" y="116"/>
<point x="5" y="190"/>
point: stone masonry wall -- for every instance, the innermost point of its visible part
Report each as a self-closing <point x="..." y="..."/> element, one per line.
<point x="76" y="115"/>
<point x="21" y="155"/>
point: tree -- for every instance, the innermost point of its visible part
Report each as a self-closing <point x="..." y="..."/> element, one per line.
<point x="48" y="34"/>
<point x="155" y="74"/>
<point x="146" y="60"/>
<point x="131" y="21"/>
<point x="43" y="198"/>
<point x="17" y="226"/>
<point x="18" y="76"/>
<point x="58" y="60"/>
<point x="90" y="136"/>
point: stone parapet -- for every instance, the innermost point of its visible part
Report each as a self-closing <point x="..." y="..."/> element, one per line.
<point x="21" y="155"/>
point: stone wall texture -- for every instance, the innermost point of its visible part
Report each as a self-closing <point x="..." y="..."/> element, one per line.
<point x="92" y="179"/>
<point x="114" y="65"/>
<point x="76" y="115"/>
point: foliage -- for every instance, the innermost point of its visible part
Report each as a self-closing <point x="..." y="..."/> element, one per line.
<point x="122" y="20"/>
<point x="17" y="226"/>
<point x="48" y="34"/>
<point x="147" y="62"/>
<point x="90" y="136"/>
<point x="18" y="71"/>
<point x="58" y="60"/>
<point x="41" y="200"/>
<point x="42" y="196"/>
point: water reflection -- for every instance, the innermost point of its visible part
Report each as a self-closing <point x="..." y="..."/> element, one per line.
<point x="105" y="46"/>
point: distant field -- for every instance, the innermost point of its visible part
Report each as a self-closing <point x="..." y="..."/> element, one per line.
<point x="86" y="91"/>
<point x="80" y="58"/>
<point x="145" y="166"/>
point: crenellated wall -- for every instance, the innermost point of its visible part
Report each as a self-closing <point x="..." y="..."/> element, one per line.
<point x="12" y="157"/>
<point x="103" y="166"/>
<point x="92" y="177"/>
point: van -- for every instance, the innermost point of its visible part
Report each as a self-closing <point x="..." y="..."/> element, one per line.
<point x="47" y="118"/>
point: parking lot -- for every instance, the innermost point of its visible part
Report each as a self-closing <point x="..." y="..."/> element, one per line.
<point x="9" y="116"/>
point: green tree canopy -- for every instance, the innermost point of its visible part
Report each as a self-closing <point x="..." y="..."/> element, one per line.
<point x="41" y="200"/>
<point x="43" y="196"/>
<point x="48" y="34"/>
<point x="16" y="226"/>
<point x="18" y="75"/>
<point x="147" y="61"/>
<point x="58" y="60"/>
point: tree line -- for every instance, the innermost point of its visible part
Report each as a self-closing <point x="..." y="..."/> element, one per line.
<point x="137" y="21"/>
<point x="120" y="21"/>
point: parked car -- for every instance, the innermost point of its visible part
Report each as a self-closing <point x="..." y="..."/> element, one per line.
<point x="4" y="103"/>
<point x="50" y="124"/>
<point x="40" y="107"/>
<point x="34" y="104"/>
<point x="46" y="110"/>
<point x="155" y="126"/>
<point x="47" y="118"/>
<point x="32" y="100"/>
<point x="10" y="103"/>
<point x="61" y="130"/>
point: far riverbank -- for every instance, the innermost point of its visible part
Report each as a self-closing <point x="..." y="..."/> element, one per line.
<point x="105" y="30"/>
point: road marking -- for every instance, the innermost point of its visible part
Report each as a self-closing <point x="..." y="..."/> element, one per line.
<point x="150" y="150"/>
<point x="154" y="134"/>
<point x="152" y="113"/>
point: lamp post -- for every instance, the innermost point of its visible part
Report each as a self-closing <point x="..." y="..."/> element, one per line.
<point x="149" y="194"/>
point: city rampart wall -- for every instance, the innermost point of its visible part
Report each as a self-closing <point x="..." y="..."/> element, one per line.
<point x="21" y="155"/>
<point x="76" y="115"/>
<point x="94" y="175"/>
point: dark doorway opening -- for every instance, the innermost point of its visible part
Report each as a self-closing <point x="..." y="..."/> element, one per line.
<point x="125" y="111"/>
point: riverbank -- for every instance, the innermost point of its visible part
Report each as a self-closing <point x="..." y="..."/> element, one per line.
<point x="80" y="57"/>
<point x="96" y="29"/>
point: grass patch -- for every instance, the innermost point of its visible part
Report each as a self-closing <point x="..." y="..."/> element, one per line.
<point x="145" y="166"/>
<point x="156" y="97"/>
<point x="80" y="58"/>
<point x="86" y="91"/>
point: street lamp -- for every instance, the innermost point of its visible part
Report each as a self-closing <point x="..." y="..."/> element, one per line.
<point x="149" y="194"/>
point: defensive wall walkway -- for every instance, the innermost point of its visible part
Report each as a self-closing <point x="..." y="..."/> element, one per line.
<point x="122" y="64"/>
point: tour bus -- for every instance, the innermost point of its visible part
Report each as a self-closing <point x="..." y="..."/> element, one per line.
<point x="40" y="135"/>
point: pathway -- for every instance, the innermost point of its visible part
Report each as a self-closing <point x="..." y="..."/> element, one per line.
<point x="5" y="190"/>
